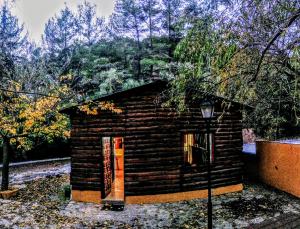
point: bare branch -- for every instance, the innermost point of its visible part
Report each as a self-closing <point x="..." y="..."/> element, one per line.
<point x="30" y="93"/>
<point x="275" y="37"/>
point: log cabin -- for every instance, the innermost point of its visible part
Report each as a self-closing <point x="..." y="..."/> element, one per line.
<point x="142" y="152"/>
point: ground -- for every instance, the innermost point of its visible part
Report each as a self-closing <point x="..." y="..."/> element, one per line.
<point x="41" y="204"/>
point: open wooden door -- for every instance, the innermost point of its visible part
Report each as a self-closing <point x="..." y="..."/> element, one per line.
<point x="107" y="167"/>
<point x="113" y="193"/>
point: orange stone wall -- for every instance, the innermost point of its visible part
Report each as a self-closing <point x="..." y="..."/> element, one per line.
<point x="279" y="165"/>
<point x="95" y="197"/>
<point x="86" y="196"/>
<point x="174" y="197"/>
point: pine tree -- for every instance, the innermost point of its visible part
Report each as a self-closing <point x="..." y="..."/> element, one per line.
<point x="192" y="11"/>
<point x="91" y="27"/>
<point x="13" y="39"/>
<point x="60" y="32"/>
<point x="151" y="11"/>
<point x="128" y="19"/>
<point x="171" y="15"/>
<point x="59" y="41"/>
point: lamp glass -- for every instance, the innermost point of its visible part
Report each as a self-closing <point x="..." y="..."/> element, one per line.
<point x="207" y="109"/>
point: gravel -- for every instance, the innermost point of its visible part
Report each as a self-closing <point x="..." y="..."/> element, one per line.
<point x="41" y="204"/>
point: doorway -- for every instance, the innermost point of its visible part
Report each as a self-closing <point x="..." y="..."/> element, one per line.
<point x="115" y="194"/>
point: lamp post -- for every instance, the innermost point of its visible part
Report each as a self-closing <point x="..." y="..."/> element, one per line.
<point x="207" y="110"/>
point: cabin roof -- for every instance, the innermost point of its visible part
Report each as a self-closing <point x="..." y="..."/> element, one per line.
<point x="116" y="94"/>
<point x="157" y="83"/>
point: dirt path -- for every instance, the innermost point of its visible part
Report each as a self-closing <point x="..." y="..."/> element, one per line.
<point x="28" y="172"/>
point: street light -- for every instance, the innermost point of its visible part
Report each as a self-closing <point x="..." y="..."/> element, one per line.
<point x="207" y="110"/>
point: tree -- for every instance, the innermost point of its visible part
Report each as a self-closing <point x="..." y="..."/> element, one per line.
<point x="170" y="17"/>
<point x="269" y="32"/>
<point x="243" y="56"/>
<point x="24" y="119"/>
<point x="151" y="11"/>
<point x="12" y="34"/>
<point x="103" y="67"/>
<point x="90" y="26"/>
<point x="12" y="42"/>
<point x="59" y="42"/>
<point x="192" y="10"/>
<point x="60" y="32"/>
<point x="128" y="20"/>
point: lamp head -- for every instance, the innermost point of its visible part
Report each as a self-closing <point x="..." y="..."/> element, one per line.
<point x="207" y="109"/>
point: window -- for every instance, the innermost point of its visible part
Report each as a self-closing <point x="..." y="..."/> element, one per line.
<point x="195" y="145"/>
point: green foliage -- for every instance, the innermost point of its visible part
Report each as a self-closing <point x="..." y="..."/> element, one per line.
<point x="13" y="42"/>
<point x="131" y="83"/>
<point x="203" y="54"/>
<point x="223" y="56"/>
<point x="206" y="46"/>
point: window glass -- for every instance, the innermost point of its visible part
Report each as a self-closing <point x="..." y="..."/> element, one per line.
<point x="195" y="148"/>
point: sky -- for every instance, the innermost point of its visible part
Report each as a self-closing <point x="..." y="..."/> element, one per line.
<point x="35" y="13"/>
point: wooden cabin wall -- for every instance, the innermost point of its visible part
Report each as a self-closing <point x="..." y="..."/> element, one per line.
<point x="86" y="147"/>
<point x="227" y="168"/>
<point x="153" y="159"/>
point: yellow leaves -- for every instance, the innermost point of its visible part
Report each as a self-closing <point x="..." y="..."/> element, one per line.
<point x="89" y="111"/>
<point x="64" y="89"/>
<point x="93" y="108"/>
<point x="39" y="118"/>
<point x="13" y="141"/>
<point x="46" y="103"/>
<point x="110" y="106"/>
<point x="67" y="134"/>
<point x="29" y="124"/>
<point x="66" y="77"/>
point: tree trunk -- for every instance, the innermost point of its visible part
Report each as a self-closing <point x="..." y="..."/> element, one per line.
<point x="5" y="168"/>
<point x="137" y="30"/>
<point x="170" y="30"/>
<point x="150" y="25"/>
<point x="151" y="35"/>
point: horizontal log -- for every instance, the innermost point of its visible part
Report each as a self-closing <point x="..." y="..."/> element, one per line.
<point x="215" y="174"/>
<point x="86" y="138"/>
<point x="214" y="183"/>
<point x="75" y="143"/>
<point x="76" y="170"/>
<point x="151" y="155"/>
<point x="150" y="168"/>
<point x="230" y="141"/>
<point x="153" y="191"/>
<point x="151" y="184"/>
<point x="227" y="128"/>
<point x="151" y="150"/>
<point x="146" y="161"/>
<point x="92" y="160"/>
<point x="85" y="165"/>
<point x="153" y="173"/>
<point x="85" y="186"/>
<point x="95" y="149"/>
<point x="86" y="151"/>
<point x="87" y="174"/>
<point x="86" y="180"/>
